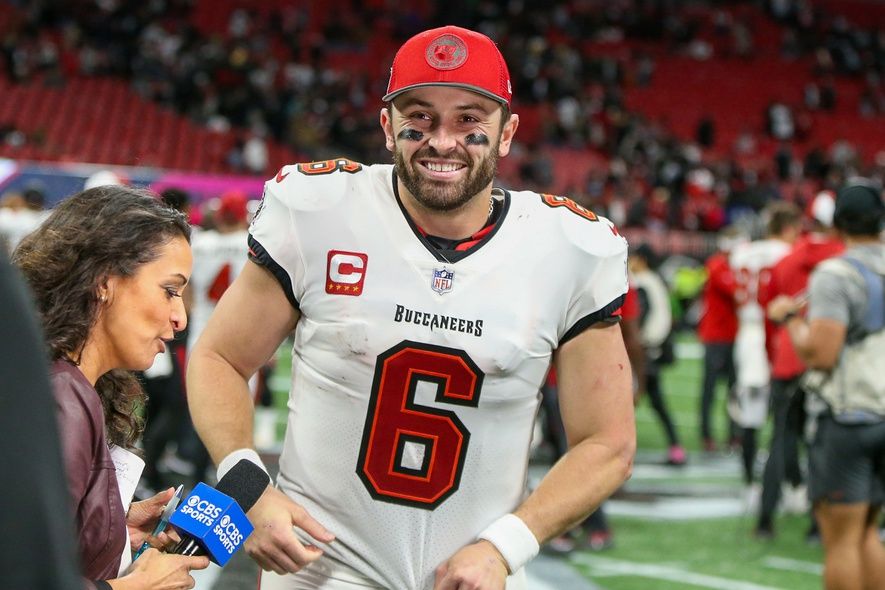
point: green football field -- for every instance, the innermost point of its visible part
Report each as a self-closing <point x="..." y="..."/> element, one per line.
<point x="682" y="527"/>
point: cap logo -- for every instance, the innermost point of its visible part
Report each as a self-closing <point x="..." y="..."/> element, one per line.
<point x="446" y="52"/>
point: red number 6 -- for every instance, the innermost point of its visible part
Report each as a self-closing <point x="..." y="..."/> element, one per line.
<point x="395" y="424"/>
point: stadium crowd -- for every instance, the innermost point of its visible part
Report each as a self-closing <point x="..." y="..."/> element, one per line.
<point x="286" y="72"/>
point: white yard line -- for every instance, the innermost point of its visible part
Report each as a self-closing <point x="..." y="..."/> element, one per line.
<point x="678" y="509"/>
<point x="608" y="566"/>
<point x="793" y="565"/>
<point x="554" y="573"/>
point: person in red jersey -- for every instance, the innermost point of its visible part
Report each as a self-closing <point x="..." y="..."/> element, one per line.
<point x="717" y="328"/>
<point x="790" y="277"/>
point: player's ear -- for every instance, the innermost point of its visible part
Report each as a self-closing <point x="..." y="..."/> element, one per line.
<point x="508" y="130"/>
<point x="386" y="120"/>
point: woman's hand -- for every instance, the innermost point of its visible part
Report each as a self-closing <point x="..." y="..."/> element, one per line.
<point x="142" y="518"/>
<point x="160" y="571"/>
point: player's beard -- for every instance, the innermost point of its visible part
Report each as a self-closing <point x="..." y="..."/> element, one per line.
<point x="445" y="196"/>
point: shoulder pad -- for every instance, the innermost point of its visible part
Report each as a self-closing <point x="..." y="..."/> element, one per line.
<point x="313" y="186"/>
<point x="580" y="226"/>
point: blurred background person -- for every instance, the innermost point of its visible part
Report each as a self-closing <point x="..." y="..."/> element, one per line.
<point x="655" y="329"/>
<point x="717" y="328"/>
<point x="107" y="270"/>
<point x="751" y="264"/>
<point x="790" y="277"/>
<point x="20" y="214"/>
<point x="36" y="549"/>
<point x="843" y="339"/>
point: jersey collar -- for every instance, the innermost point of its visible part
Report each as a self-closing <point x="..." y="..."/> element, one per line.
<point x="454" y="250"/>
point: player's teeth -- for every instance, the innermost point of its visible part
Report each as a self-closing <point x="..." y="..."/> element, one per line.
<point x="442" y="167"/>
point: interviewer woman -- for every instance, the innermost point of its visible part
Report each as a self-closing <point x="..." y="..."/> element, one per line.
<point x="107" y="270"/>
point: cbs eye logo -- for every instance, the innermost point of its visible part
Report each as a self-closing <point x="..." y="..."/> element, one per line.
<point x="193" y="501"/>
<point x="225" y="520"/>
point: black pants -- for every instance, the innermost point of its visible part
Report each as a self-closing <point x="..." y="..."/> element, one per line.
<point x="718" y="363"/>
<point x="788" y="413"/>
<point x="659" y="405"/>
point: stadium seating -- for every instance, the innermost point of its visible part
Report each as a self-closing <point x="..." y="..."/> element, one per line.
<point x="104" y="121"/>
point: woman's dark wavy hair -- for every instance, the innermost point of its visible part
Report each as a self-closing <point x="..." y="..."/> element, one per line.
<point x="93" y="235"/>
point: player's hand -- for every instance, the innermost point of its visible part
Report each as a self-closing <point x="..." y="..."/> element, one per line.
<point x="160" y="571"/>
<point x="273" y="545"/>
<point x="478" y="566"/>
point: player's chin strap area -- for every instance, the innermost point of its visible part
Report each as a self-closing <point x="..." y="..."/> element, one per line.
<point x="513" y="539"/>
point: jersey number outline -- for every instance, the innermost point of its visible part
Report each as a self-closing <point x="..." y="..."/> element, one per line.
<point x="394" y="421"/>
<point x="558" y="201"/>
<point x="219" y="284"/>
<point x="752" y="286"/>
<point x="329" y="166"/>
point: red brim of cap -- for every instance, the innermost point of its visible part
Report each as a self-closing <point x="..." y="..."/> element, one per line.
<point x="389" y="97"/>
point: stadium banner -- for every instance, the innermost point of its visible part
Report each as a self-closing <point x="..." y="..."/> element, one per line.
<point x="59" y="180"/>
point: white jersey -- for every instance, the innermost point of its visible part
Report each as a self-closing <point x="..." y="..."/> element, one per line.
<point x="751" y="264"/>
<point x="218" y="259"/>
<point x="416" y="379"/>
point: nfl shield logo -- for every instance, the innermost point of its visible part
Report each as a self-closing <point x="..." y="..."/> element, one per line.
<point x="442" y="280"/>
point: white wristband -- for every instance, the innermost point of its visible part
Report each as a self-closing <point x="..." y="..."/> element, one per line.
<point x="232" y="459"/>
<point x="513" y="539"/>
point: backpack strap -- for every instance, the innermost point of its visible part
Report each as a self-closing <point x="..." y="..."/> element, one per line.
<point x="874" y="320"/>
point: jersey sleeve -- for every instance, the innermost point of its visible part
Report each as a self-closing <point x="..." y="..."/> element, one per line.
<point x="630" y="310"/>
<point x="601" y="279"/>
<point x="273" y="242"/>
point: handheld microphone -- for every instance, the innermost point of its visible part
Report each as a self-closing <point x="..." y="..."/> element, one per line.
<point x="212" y="521"/>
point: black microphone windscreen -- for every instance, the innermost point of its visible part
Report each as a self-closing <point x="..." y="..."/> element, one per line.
<point x="245" y="482"/>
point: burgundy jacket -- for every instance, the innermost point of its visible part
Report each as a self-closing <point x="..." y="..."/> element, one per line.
<point x="92" y="479"/>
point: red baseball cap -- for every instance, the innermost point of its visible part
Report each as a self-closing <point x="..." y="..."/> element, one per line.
<point x="233" y="206"/>
<point x="450" y="56"/>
